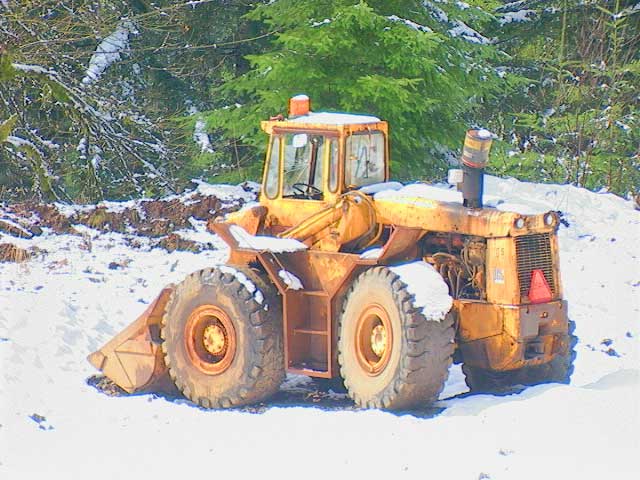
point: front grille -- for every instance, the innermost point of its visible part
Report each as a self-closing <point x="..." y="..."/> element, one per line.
<point x="534" y="253"/>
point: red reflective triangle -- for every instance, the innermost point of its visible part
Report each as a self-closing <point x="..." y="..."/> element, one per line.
<point x="539" y="291"/>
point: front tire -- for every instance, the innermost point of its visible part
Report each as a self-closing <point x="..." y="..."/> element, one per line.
<point x="391" y="356"/>
<point x="223" y="337"/>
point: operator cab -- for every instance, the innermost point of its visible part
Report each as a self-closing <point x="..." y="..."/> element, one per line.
<point x="318" y="156"/>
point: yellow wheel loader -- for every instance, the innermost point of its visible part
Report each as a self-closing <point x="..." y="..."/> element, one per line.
<point x="338" y="273"/>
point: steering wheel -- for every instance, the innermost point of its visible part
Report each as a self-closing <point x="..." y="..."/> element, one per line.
<point x="306" y="190"/>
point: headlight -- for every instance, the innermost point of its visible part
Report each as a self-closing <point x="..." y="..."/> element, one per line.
<point x="519" y="222"/>
<point x="550" y="219"/>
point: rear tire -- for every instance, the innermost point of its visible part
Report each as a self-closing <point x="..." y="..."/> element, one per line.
<point x="409" y="367"/>
<point x="558" y="370"/>
<point x="223" y="337"/>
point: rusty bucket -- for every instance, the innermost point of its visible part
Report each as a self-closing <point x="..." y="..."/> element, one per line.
<point x="133" y="359"/>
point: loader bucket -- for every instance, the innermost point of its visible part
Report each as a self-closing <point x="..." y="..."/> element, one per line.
<point x="133" y="359"/>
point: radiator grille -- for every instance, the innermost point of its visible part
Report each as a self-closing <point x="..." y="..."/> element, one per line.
<point x="534" y="253"/>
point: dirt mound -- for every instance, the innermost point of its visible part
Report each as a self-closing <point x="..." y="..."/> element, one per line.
<point x="153" y="218"/>
<point x="156" y="219"/>
<point x="12" y="253"/>
<point x="33" y="216"/>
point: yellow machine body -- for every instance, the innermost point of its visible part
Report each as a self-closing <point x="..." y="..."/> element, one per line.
<point x="486" y="256"/>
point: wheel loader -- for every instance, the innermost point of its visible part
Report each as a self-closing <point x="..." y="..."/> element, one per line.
<point x="338" y="273"/>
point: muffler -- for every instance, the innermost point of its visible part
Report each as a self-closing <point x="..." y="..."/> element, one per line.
<point x="475" y="156"/>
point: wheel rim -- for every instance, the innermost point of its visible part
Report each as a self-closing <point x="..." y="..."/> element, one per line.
<point x="210" y="339"/>
<point x="374" y="339"/>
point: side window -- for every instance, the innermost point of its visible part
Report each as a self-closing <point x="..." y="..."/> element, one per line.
<point x="364" y="162"/>
<point x="272" y="179"/>
<point x="333" y="165"/>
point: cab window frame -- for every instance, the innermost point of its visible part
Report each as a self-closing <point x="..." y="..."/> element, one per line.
<point x="333" y="174"/>
<point x="272" y="195"/>
<point x="382" y="156"/>
<point x="311" y="164"/>
<point x="322" y="160"/>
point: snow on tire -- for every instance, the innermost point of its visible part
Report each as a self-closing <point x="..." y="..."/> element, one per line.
<point x="393" y="352"/>
<point x="222" y="337"/>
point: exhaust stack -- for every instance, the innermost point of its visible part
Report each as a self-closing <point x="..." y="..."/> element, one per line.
<point x="475" y="155"/>
<point x="299" y="105"/>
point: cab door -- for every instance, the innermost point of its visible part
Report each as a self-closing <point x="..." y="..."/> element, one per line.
<point x="297" y="182"/>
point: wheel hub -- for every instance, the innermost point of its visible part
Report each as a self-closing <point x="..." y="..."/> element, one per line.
<point x="379" y="340"/>
<point x="210" y="339"/>
<point x="374" y="339"/>
<point x="214" y="339"/>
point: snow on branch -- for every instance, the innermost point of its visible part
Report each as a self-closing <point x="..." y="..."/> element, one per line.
<point x="326" y="21"/>
<point x="516" y="17"/>
<point x="33" y="69"/>
<point x="108" y="51"/>
<point x="410" y="24"/>
<point x="627" y="11"/>
<point x="21" y="142"/>
<point x="436" y="12"/>
<point x="117" y="138"/>
<point x="200" y="135"/>
<point x="460" y="29"/>
<point x="464" y="31"/>
<point x="510" y="5"/>
<point x="195" y="3"/>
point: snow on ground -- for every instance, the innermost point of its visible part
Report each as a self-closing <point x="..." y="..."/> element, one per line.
<point x="227" y="192"/>
<point x="56" y="309"/>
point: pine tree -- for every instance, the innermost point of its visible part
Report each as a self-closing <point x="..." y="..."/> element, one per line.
<point x="576" y="119"/>
<point x="424" y="70"/>
<point x="96" y="92"/>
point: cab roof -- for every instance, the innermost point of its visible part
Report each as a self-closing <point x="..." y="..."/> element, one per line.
<point x="334" y="118"/>
<point x="343" y="122"/>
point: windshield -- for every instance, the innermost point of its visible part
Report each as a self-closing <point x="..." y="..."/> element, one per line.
<point x="303" y="155"/>
<point x="365" y="159"/>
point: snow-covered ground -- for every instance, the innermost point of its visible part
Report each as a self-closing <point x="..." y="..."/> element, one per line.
<point x="56" y="309"/>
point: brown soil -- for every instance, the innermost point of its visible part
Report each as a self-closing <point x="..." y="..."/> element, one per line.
<point x="11" y="253"/>
<point x="174" y="242"/>
<point x="36" y="215"/>
<point x="156" y="219"/>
